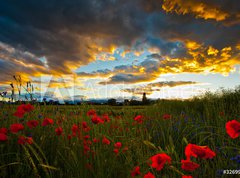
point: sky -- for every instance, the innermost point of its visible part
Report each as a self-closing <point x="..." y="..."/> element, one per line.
<point x="82" y="49"/>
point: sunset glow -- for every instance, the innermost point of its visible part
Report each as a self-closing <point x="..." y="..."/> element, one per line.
<point x="105" y="49"/>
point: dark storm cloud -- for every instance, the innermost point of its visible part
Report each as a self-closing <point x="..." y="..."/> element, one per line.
<point x="187" y="25"/>
<point x="14" y="61"/>
<point x="125" y="79"/>
<point x="146" y="71"/>
<point x="167" y="48"/>
<point x="127" y="73"/>
<point x="149" y="65"/>
<point x="104" y="72"/>
<point x="154" y="56"/>
<point x="171" y="28"/>
<point x="71" y="33"/>
<point x="225" y="11"/>
<point x="68" y="31"/>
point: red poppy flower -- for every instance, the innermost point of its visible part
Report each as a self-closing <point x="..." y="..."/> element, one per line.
<point x="189" y="165"/>
<point x="21" y="140"/>
<point x="19" y="113"/>
<point x="184" y="176"/>
<point x="27" y="107"/>
<point x="118" y="145"/>
<point x="159" y="160"/>
<point x="87" y="142"/>
<point x="95" y="140"/>
<point x="167" y="116"/>
<point x="233" y="128"/>
<point x="149" y="175"/>
<point x="203" y="152"/>
<point x="22" y="109"/>
<point x="75" y="129"/>
<point x="69" y="137"/>
<point x="91" y="112"/>
<point x="3" y="130"/>
<point x="86" y="149"/>
<point x="15" y="128"/>
<point x="105" y="118"/>
<point x="59" y="131"/>
<point x="32" y="123"/>
<point x="87" y="129"/>
<point x="47" y="121"/>
<point x="84" y="124"/>
<point x="96" y="120"/>
<point x="135" y="171"/>
<point x="105" y="141"/>
<point x="116" y="151"/>
<point x="139" y="119"/>
<point x="3" y="137"/>
<point x="29" y="140"/>
<point x="86" y="137"/>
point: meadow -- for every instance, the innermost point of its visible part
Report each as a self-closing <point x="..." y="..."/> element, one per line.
<point x="168" y="139"/>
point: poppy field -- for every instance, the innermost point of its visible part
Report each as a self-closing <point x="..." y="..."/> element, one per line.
<point x="193" y="138"/>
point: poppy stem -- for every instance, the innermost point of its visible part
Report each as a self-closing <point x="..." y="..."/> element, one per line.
<point x="176" y="170"/>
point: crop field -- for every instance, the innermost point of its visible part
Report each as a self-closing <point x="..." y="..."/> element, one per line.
<point x="168" y="139"/>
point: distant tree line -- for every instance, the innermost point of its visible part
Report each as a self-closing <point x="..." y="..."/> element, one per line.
<point x="145" y="101"/>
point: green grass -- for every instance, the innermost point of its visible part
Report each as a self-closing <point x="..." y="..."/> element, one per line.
<point x="196" y="121"/>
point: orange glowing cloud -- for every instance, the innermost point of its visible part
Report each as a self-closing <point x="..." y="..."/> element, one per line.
<point x="198" y="8"/>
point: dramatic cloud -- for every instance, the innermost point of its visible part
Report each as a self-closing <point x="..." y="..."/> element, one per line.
<point x="125" y="79"/>
<point x="94" y="74"/>
<point x="198" y="59"/>
<point x="153" y="87"/>
<point x="199" y="9"/>
<point x="68" y="34"/>
<point x="55" y="38"/>
<point x="172" y="83"/>
<point x="14" y="61"/>
<point x="225" y="11"/>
